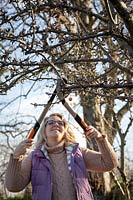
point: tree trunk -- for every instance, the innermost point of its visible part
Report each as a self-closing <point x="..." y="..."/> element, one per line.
<point x="92" y="114"/>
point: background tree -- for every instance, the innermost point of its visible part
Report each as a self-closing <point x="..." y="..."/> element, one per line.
<point x="88" y="42"/>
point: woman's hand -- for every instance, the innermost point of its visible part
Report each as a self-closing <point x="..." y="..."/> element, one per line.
<point x="22" y="148"/>
<point x="92" y="133"/>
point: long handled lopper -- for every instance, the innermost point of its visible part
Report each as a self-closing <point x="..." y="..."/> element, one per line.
<point x="60" y="93"/>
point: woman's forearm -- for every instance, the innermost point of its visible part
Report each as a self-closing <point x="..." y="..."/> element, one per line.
<point x="108" y="154"/>
<point x="18" y="174"/>
<point x="102" y="161"/>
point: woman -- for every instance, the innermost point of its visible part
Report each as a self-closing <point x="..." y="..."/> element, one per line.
<point x="57" y="168"/>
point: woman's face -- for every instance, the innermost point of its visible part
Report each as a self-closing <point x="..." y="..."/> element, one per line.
<point x="55" y="129"/>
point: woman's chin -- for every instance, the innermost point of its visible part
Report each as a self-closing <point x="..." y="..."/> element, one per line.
<point x="56" y="137"/>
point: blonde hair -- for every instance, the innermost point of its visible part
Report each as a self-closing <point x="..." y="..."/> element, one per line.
<point x="69" y="134"/>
